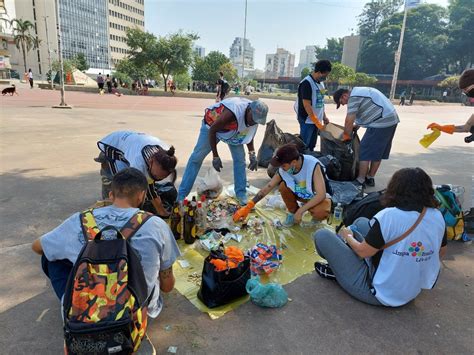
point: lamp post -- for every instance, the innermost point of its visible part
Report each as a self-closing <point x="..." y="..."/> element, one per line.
<point x="49" y="50"/>
<point x="243" y="43"/>
<point x="60" y="59"/>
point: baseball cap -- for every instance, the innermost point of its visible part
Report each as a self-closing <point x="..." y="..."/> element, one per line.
<point x="259" y="111"/>
<point x="284" y="155"/>
<point x="337" y="96"/>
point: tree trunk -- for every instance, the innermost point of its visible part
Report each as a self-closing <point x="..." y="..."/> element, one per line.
<point x="165" y="79"/>
<point x="24" y="55"/>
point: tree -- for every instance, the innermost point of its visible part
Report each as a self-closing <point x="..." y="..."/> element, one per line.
<point x="451" y="82"/>
<point x="182" y="80"/>
<point x="24" y="40"/>
<point x="207" y="69"/>
<point x="81" y="62"/>
<point x="68" y="65"/>
<point x="460" y="49"/>
<point x="374" y="13"/>
<point x="305" y="72"/>
<point x="423" y="46"/>
<point x="230" y="72"/>
<point x="340" y="72"/>
<point x="359" y="79"/>
<point x="332" y="51"/>
<point x="130" y="68"/>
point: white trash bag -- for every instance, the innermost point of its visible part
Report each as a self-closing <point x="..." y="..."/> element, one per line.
<point x="210" y="185"/>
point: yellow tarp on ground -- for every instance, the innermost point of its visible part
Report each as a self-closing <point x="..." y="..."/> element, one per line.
<point x="296" y="245"/>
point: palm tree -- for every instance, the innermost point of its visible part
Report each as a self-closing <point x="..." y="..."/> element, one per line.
<point x="24" y="40"/>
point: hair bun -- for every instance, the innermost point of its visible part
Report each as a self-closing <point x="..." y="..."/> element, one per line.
<point x="170" y="151"/>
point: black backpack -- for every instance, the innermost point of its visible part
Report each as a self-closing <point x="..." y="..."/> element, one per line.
<point x="367" y="206"/>
<point x="106" y="298"/>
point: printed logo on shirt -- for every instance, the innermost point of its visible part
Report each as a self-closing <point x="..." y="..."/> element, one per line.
<point x="416" y="249"/>
<point x="300" y="190"/>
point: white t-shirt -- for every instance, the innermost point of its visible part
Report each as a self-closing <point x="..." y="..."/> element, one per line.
<point x="154" y="243"/>
<point x="412" y="264"/>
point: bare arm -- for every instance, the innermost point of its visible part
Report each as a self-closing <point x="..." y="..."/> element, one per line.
<point x="319" y="189"/>
<point x="36" y="246"/>
<point x="167" y="280"/>
<point x="225" y="119"/>
<point x="362" y="249"/>
<point x="275" y="181"/>
<point x="349" y="126"/>
<point x="158" y="205"/>
<point x="250" y="146"/>
<point x="442" y="252"/>
<point x="465" y="127"/>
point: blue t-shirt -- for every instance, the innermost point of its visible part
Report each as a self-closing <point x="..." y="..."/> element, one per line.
<point x="154" y="243"/>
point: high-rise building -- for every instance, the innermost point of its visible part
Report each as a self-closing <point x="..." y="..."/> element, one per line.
<point x="350" y="50"/>
<point x="238" y="47"/>
<point x="280" y="64"/>
<point x="7" y="13"/>
<point x="94" y="28"/>
<point x="199" y="51"/>
<point x="307" y="59"/>
<point x="123" y="14"/>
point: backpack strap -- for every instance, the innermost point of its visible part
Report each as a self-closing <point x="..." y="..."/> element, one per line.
<point x="89" y="225"/>
<point x="408" y="232"/>
<point x="134" y="223"/>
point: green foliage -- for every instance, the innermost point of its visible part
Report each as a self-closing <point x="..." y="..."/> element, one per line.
<point x="450" y="83"/>
<point x="207" y="69"/>
<point x="168" y="55"/>
<point x="340" y="72"/>
<point x="423" y="47"/>
<point x="374" y="13"/>
<point x="81" y="62"/>
<point x="359" y="79"/>
<point x="23" y="37"/>
<point x="68" y="65"/>
<point x="332" y="51"/>
<point x="123" y="78"/>
<point x="305" y="72"/>
<point x="182" y="80"/>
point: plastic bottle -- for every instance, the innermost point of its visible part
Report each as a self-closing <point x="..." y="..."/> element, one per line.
<point x="204" y="205"/>
<point x="175" y="219"/>
<point x="189" y="231"/>
<point x="337" y="217"/>
<point x="200" y="217"/>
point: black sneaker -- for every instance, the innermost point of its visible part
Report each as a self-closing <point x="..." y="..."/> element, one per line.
<point x="358" y="184"/>
<point x="370" y="181"/>
<point x="324" y="270"/>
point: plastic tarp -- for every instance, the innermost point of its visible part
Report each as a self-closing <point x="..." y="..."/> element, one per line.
<point x="296" y="245"/>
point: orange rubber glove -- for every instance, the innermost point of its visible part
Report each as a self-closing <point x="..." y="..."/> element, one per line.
<point x="316" y="122"/>
<point x="243" y="212"/>
<point x="446" y="128"/>
<point x="346" y="137"/>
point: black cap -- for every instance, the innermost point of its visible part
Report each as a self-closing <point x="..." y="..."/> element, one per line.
<point x="337" y="96"/>
<point x="285" y="154"/>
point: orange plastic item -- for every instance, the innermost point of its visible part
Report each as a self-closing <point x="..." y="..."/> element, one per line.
<point x="234" y="257"/>
<point x="346" y="137"/>
<point x="446" y="128"/>
<point x="317" y="122"/>
<point x="243" y="212"/>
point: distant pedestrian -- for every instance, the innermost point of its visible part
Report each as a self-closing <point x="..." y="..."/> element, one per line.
<point x="189" y="86"/>
<point x="108" y="81"/>
<point x="445" y="95"/>
<point x="412" y="97"/>
<point x="100" y="83"/>
<point x="402" y="98"/>
<point x="222" y="87"/>
<point x="30" y="78"/>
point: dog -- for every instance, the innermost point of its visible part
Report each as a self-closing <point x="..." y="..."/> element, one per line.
<point x="10" y="90"/>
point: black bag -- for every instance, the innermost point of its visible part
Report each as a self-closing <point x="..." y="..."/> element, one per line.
<point x="221" y="287"/>
<point x="367" y="207"/>
<point x="346" y="154"/>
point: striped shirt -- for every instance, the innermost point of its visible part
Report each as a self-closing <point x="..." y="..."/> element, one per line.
<point x="369" y="114"/>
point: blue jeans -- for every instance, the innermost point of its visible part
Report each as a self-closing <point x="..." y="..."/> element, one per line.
<point x="200" y="152"/>
<point x="308" y="133"/>
<point x="58" y="272"/>
<point x="352" y="272"/>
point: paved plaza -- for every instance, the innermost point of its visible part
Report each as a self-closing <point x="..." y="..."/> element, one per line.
<point x="48" y="172"/>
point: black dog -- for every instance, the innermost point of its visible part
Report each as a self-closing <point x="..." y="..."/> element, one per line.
<point x="11" y="90"/>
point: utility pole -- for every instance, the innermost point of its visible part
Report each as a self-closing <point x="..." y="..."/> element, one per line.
<point x="49" y="51"/>
<point x="243" y="44"/>
<point x="398" y="55"/>
<point x="60" y="59"/>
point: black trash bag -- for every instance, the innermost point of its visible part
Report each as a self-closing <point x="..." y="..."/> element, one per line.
<point x="222" y="287"/>
<point x="271" y="141"/>
<point x="367" y="207"/>
<point x="346" y="154"/>
<point x="343" y="192"/>
<point x="331" y="164"/>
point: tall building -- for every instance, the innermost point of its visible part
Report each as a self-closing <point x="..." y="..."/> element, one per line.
<point x="123" y="14"/>
<point x="92" y="27"/>
<point x="7" y="12"/>
<point x="307" y="59"/>
<point x="280" y="64"/>
<point x="238" y="47"/>
<point x="199" y="51"/>
<point x="350" y="50"/>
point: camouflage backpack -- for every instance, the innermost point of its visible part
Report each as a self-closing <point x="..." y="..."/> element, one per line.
<point x="106" y="297"/>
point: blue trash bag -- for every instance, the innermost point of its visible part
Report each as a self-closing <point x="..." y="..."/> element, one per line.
<point x="270" y="295"/>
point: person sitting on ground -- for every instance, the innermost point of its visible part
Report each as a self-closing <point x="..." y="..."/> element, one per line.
<point x="234" y="121"/>
<point x="300" y="178"/>
<point x="391" y="258"/>
<point x="466" y="84"/>
<point x="369" y="108"/>
<point x="153" y="157"/>
<point x="154" y="242"/>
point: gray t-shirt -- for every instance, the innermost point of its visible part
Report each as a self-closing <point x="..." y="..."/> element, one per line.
<point x="154" y="243"/>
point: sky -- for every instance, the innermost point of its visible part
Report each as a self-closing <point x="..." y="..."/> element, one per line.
<point x="289" y="24"/>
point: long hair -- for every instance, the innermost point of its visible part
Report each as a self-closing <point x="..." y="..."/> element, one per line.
<point x="410" y="188"/>
<point x="167" y="161"/>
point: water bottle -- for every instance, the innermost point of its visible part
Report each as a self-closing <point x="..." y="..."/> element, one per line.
<point x="200" y="217"/>
<point x="337" y="217"/>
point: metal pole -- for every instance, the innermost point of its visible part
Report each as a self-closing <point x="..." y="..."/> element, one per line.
<point x="49" y="50"/>
<point x="398" y="54"/>
<point x="243" y="44"/>
<point x="60" y="55"/>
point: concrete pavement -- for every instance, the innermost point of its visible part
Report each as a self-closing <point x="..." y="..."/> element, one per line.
<point x="47" y="173"/>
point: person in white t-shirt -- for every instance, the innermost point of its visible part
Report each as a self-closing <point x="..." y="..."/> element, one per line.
<point x="372" y="262"/>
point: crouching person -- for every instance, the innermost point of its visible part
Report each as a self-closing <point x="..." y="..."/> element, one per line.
<point x="300" y="178"/>
<point x="391" y="258"/>
<point x="101" y="289"/>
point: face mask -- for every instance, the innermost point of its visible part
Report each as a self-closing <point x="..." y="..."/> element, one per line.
<point x="322" y="78"/>
<point x="291" y="170"/>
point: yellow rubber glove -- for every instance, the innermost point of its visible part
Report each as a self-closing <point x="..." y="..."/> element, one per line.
<point x="243" y="212"/>
<point x="446" y="128"/>
<point x="430" y="138"/>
